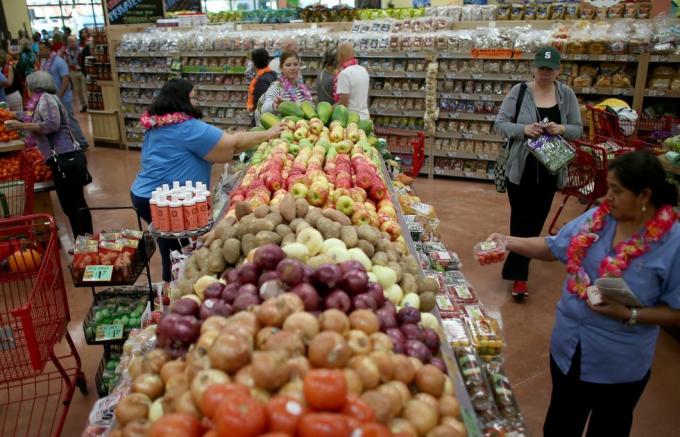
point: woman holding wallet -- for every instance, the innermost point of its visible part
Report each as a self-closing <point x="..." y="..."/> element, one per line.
<point x="601" y="355"/>
<point x="531" y="187"/>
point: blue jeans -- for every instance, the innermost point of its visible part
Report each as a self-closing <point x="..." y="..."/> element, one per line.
<point x="75" y="127"/>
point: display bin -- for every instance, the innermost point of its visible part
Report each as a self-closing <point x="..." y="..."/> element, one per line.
<point x="89" y="323"/>
<point x="100" y="378"/>
<point x="105" y="125"/>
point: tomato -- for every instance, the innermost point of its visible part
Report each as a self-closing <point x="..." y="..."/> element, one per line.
<point x="216" y="393"/>
<point x="176" y="425"/>
<point x="325" y="389"/>
<point x="276" y="434"/>
<point x="211" y="433"/>
<point x="323" y="425"/>
<point x="240" y="416"/>
<point x="358" y="409"/>
<point x="372" y="429"/>
<point x="284" y="414"/>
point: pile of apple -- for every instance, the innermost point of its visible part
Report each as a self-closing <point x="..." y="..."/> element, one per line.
<point x="335" y="367"/>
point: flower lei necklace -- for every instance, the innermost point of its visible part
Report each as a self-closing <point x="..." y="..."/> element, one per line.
<point x="150" y="121"/>
<point x="347" y="63"/>
<point x="624" y="252"/>
<point x="292" y="90"/>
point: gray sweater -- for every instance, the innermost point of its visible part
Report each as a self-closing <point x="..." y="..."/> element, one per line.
<point x="571" y="119"/>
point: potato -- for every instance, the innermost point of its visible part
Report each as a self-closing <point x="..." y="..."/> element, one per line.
<point x="283" y="230"/>
<point x="225" y="229"/>
<point x="408" y="283"/>
<point x="348" y="234"/>
<point x="427" y="284"/>
<point x="216" y="263"/>
<point x="289" y="238"/>
<point x="313" y="214"/>
<point x="366" y="247"/>
<point x="267" y="237"/>
<point x="287" y="208"/>
<point x="368" y="233"/>
<point x="262" y="224"/>
<point x="231" y="250"/>
<point x="397" y="269"/>
<point x="247" y="244"/>
<point x="261" y="211"/>
<point x="392" y="255"/>
<point x="202" y="257"/>
<point x="427" y="301"/>
<point x="192" y="270"/>
<point x="336" y="216"/>
<point x="186" y="286"/>
<point x="301" y="208"/>
<point x="242" y="209"/>
<point x="327" y="228"/>
<point x="244" y="226"/>
<point x="380" y="259"/>
<point x="274" y="217"/>
<point x="216" y="244"/>
<point x="383" y="245"/>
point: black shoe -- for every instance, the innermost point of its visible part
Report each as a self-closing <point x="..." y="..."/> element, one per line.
<point x="83" y="109"/>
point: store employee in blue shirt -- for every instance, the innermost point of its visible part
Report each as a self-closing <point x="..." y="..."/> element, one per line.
<point x="178" y="146"/>
<point x="601" y="355"/>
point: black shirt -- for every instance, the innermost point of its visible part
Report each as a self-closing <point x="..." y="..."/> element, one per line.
<point x="552" y="114"/>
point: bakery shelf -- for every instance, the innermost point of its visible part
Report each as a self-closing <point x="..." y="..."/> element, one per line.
<point x="122" y="54"/>
<point x="385" y="130"/>
<point x="665" y="58"/>
<point x="485" y="76"/>
<point x="463" y="174"/>
<point x="472" y="96"/>
<point x="466" y="116"/>
<point x="605" y="58"/>
<point x="213" y="53"/>
<point x="222" y="104"/>
<point x="206" y="87"/>
<point x="661" y="93"/>
<point x="388" y="55"/>
<point x="397" y="113"/>
<point x="137" y="100"/>
<point x="469" y="136"/>
<point x="604" y="91"/>
<point x="190" y="69"/>
<point x="134" y="130"/>
<point x="398" y="74"/>
<point x="228" y="121"/>
<point x="154" y="70"/>
<point x="142" y="85"/>
<point x="464" y="155"/>
<point x="397" y="93"/>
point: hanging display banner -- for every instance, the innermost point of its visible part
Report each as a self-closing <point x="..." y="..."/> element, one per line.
<point x="182" y="5"/>
<point x="134" y="11"/>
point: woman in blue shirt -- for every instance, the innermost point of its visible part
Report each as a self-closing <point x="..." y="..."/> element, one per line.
<point x="601" y="355"/>
<point x="178" y="146"/>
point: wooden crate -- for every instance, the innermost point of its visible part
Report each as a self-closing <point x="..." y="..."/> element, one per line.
<point x="105" y="126"/>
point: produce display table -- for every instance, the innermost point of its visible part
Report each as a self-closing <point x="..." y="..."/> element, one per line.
<point x="11" y="146"/>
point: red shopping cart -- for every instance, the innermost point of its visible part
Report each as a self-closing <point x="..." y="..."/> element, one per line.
<point x="16" y="185"/>
<point x="408" y="145"/>
<point x="586" y="177"/>
<point x="38" y="374"/>
<point x="606" y="126"/>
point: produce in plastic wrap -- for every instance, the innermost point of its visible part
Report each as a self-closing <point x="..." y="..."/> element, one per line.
<point x="489" y="252"/>
<point x="552" y="151"/>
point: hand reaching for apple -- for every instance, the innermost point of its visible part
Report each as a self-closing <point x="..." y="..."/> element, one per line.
<point x="275" y="130"/>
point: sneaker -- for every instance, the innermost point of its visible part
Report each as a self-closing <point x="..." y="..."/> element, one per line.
<point x="520" y="290"/>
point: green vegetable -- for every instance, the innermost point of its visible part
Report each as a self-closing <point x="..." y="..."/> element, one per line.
<point x="290" y="108"/>
<point x="268" y="120"/>
<point x="340" y="114"/>
<point x="308" y="110"/>
<point x="366" y="126"/>
<point x="324" y="110"/>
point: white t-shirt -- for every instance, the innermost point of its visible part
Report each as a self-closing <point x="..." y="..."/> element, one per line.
<point x="275" y="64"/>
<point x="354" y="81"/>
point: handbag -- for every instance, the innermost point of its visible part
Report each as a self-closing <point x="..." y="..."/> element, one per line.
<point x="501" y="165"/>
<point x="68" y="167"/>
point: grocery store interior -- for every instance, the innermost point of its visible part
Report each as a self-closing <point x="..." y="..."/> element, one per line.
<point x="439" y="76"/>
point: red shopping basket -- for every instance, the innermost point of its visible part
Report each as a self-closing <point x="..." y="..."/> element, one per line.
<point x="407" y="145"/>
<point x="586" y="177"/>
<point x="33" y="318"/>
<point x="16" y="185"/>
<point x="607" y="126"/>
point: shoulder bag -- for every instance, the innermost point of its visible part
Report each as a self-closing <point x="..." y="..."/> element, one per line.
<point x="68" y="167"/>
<point x="499" y="169"/>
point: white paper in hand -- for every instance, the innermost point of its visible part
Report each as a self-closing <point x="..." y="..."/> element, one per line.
<point x="617" y="290"/>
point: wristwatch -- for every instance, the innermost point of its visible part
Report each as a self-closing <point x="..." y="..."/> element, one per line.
<point x="633" y="318"/>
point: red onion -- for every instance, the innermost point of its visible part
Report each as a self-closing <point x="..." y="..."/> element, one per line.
<point x="338" y="299"/>
<point x="308" y="295"/>
<point x="185" y="307"/>
<point x="417" y="349"/>
<point x="431" y="339"/>
<point x="268" y="256"/>
<point x="408" y="315"/>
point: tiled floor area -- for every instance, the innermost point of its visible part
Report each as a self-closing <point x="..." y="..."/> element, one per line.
<point x="469" y="211"/>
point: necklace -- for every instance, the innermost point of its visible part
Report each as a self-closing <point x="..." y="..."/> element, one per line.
<point x="344" y="65"/>
<point x="292" y="90"/>
<point x="150" y="121"/>
<point x="624" y="252"/>
<point x="250" y="105"/>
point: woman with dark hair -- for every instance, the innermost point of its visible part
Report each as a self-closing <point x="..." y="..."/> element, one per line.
<point x="288" y="87"/>
<point x="264" y="77"/>
<point x="601" y="352"/>
<point x="326" y="79"/>
<point x="178" y="146"/>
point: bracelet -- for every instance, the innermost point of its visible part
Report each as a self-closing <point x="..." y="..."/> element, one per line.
<point x="633" y="318"/>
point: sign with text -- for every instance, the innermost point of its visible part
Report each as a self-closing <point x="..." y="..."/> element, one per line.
<point x="134" y="11"/>
<point x="95" y="273"/>
<point x="183" y="5"/>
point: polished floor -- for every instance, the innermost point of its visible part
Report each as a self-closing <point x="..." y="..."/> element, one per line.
<point x="469" y="212"/>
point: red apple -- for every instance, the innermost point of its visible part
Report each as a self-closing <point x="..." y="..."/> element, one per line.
<point x="358" y="194"/>
<point x="377" y="190"/>
<point x="392" y="228"/>
<point x="361" y="217"/>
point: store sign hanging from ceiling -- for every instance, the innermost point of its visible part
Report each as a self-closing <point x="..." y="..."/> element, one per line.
<point x="134" y="11"/>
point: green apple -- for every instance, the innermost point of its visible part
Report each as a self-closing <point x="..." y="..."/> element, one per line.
<point x="294" y="149"/>
<point x="287" y="136"/>
<point x="411" y="300"/>
<point x="311" y="238"/>
<point x="299" y="190"/>
<point x="386" y="276"/>
<point x="345" y="205"/>
<point x="333" y="242"/>
<point x="394" y="294"/>
<point x="429" y="320"/>
<point x="296" y="250"/>
<point x="358" y="255"/>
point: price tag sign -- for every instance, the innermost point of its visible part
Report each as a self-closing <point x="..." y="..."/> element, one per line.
<point x="109" y="332"/>
<point x="97" y="273"/>
<point x="476" y="76"/>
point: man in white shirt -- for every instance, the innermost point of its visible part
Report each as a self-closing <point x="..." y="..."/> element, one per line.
<point x="287" y="45"/>
<point x="353" y="82"/>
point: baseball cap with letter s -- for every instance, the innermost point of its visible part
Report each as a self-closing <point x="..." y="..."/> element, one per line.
<point x="548" y="57"/>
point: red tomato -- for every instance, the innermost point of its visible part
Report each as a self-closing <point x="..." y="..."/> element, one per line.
<point x="284" y="414"/>
<point x="323" y="425"/>
<point x="358" y="409"/>
<point x="325" y="389"/>
<point x="216" y="393"/>
<point x="372" y="429"/>
<point x="276" y="434"/>
<point x="176" y="425"/>
<point x="240" y="416"/>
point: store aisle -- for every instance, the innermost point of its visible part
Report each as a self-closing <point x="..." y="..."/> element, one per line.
<point x="470" y="211"/>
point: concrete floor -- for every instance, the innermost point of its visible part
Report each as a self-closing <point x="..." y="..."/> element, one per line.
<point x="469" y="211"/>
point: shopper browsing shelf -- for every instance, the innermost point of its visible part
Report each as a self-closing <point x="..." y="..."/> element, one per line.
<point x="178" y="146"/>
<point x="47" y="121"/>
<point x="601" y="355"/>
<point x="326" y="80"/>
<point x="352" y="82"/>
<point x="288" y="87"/>
<point x="546" y="106"/>
<point x="264" y="77"/>
<point x="288" y="45"/>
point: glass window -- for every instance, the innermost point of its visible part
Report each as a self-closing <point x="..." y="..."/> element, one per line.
<point x="50" y="14"/>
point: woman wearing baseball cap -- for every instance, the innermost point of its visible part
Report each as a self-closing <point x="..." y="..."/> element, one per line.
<point x="543" y="105"/>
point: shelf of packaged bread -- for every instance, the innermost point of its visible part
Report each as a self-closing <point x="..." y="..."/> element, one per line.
<point x="529" y="56"/>
<point x="218" y="104"/>
<point x="228" y="121"/>
<point x="396" y="113"/>
<point x="134" y="130"/>
<point x="464" y="155"/>
<point x="462" y="174"/>
<point x="213" y="53"/>
<point x="472" y="96"/>
<point x="397" y="93"/>
<point x="419" y="54"/>
<point x="136" y="100"/>
<point x="398" y="74"/>
<point x="122" y="54"/>
<point x="662" y="93"/>
<point x="469" y="136"/>
<point x="131" y="115"/>
<point x="604" y="91"/>
<point x="466" y="116"/>
<point x="665" y="58"/>
<point x="484" y="76"/>
<point x="142" y="85"/>
<point x="152" y="70"/>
